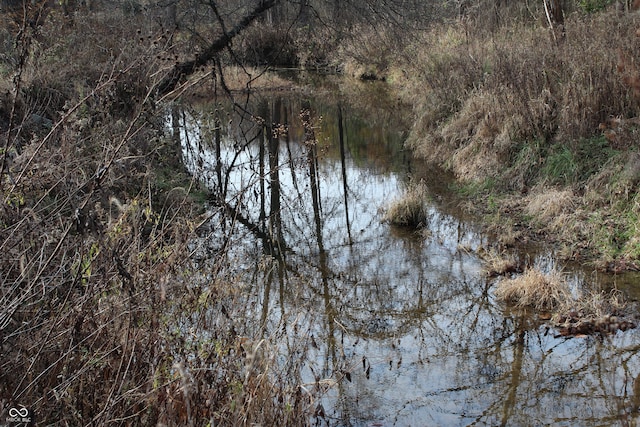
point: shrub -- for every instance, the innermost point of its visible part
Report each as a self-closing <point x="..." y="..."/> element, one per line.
<point x="591" y="6"/>
<point x="268" y="45"/>
<point x="97" y="282"/>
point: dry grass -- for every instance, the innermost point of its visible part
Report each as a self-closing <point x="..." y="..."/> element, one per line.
<point x="497" y="93"/>
<point x="535" y="289"/>
<point x="598" y="312"/>
<point x="595" y="305"/>
<point x="549" y="203"/>
<point x="480" y="136"/>
<point x="368" y="52"/>
<point x="409" y="210"/>
<point x="524" y="113"/>
<point x="498" y="264"/>
<point x="253" y="78"/>
<point x="553" y="209"/>
<point x="99" y="297"/>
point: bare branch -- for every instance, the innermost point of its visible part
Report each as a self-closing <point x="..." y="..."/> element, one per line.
<point x="184" y="69"/>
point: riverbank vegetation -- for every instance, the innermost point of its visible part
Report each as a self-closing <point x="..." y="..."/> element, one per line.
<point x="102" y="314"/>
<point x="537" y="119"/>
<point x="539" y="129"/>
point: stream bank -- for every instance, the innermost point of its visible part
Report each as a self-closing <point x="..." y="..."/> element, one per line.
<point x="542" y="138"/>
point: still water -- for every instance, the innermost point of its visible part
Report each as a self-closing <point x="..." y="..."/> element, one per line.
<point x="395" y="328"/>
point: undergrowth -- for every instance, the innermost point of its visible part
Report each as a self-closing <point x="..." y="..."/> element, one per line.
<point x="100" y="298"/>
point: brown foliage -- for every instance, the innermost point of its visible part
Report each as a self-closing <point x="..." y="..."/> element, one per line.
<point x="534" y="288"/>
<point x="98" y="292"/>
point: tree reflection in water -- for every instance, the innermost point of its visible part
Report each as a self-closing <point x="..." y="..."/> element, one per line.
<point x="402" y="329"/>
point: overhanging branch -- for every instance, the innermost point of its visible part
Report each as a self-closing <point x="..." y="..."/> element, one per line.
<point x="185" y="69"/>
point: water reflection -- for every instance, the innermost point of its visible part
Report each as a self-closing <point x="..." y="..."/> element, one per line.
<point x="404" y="328"/>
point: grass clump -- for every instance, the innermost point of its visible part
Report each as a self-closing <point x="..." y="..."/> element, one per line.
<point x="593" y="313"/>
<point x="534" y="289"/>
<point x="550" y="206"/>
<point x="410" y="210"/>
<point x="498" y="264"/>
<point x="598" y="312"/>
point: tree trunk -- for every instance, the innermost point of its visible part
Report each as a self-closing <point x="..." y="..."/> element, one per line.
<point x="555" y="16"/>
<point x="556" y="9"/>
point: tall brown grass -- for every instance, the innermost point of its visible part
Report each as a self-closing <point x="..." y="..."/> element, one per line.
<point x="535" y="289"/>
<point x="596" y="312"/>
<point x="529" y="114"/>
<point x="515" y="86"/>
<point x="409" y="210"/>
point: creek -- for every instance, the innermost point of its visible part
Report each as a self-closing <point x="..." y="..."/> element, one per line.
<point x="401" y="328"/>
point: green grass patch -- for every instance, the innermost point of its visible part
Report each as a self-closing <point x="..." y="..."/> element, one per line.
<point x="592" y="155"/>
<point x="560" y="168"/>
<point x="475" y="188"/>
<point x="591" y="6"/>
<point x="568" y="164"/>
